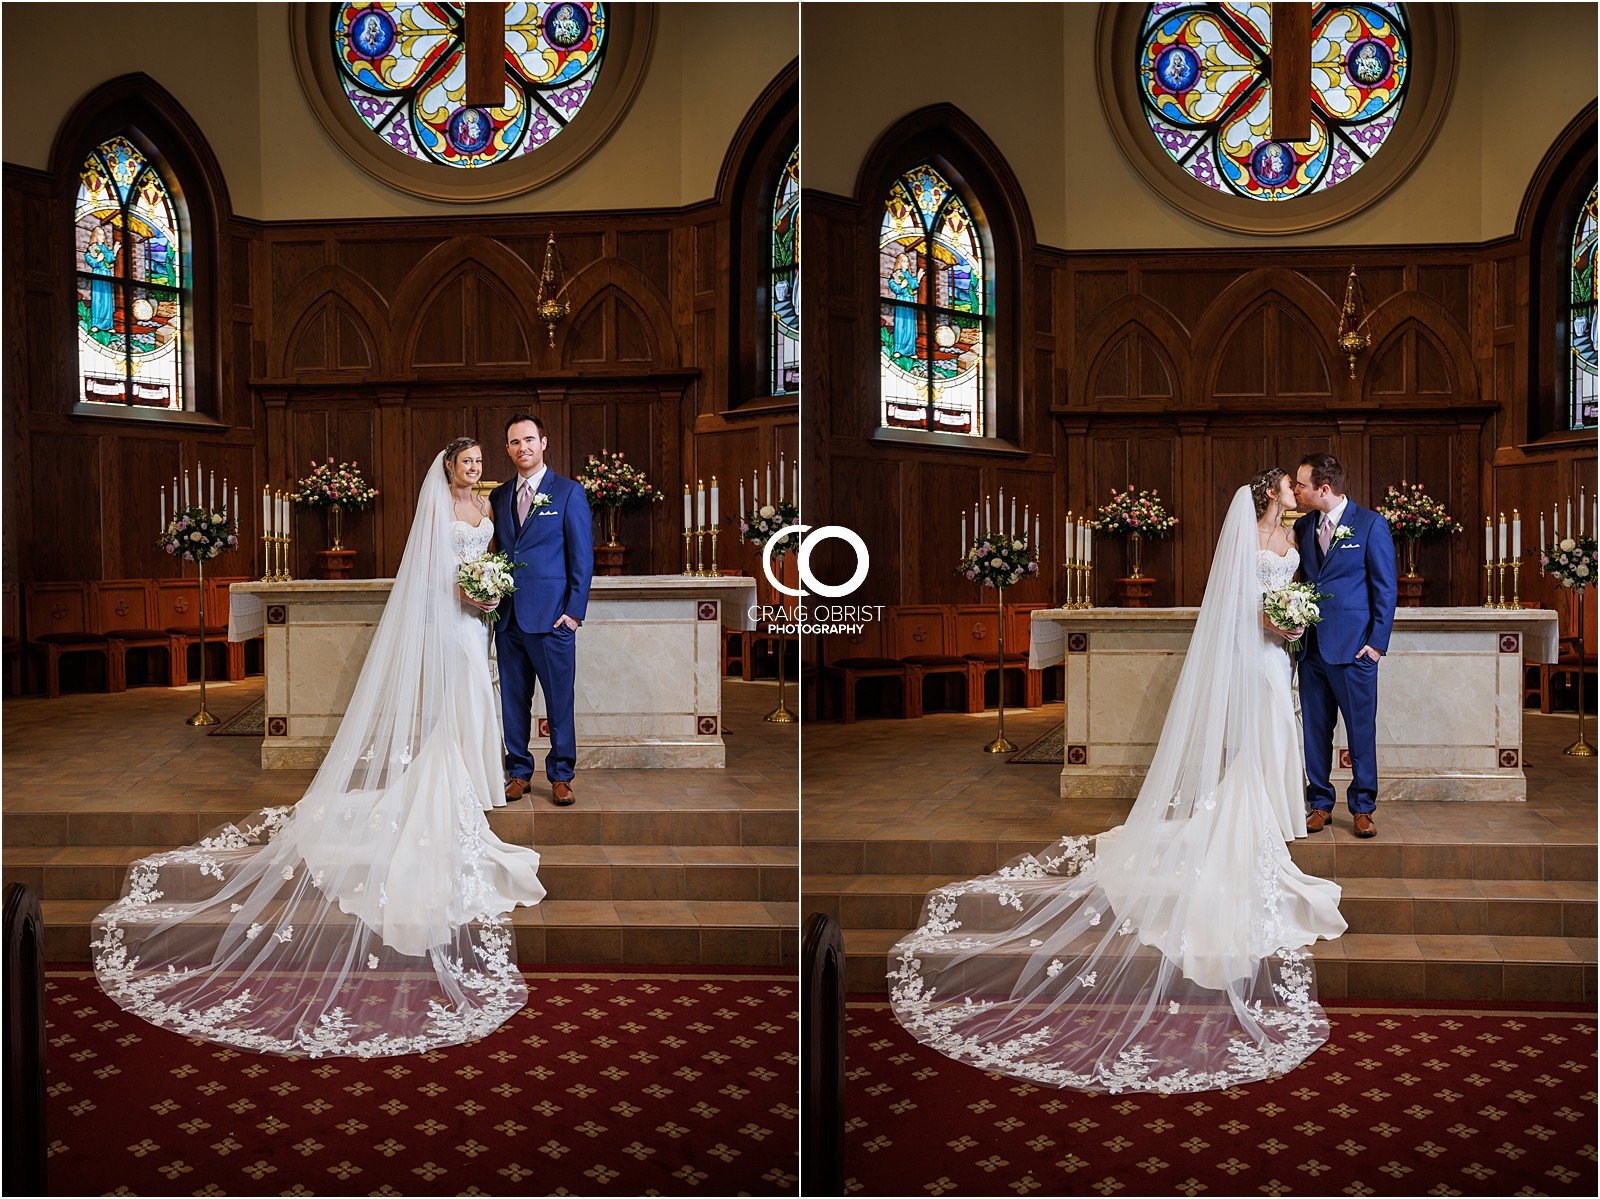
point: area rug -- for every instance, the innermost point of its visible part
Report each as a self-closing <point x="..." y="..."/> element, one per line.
<point x="252" y="722"/>
<point x="1404" y="1099"/>
<point x="634" y="1082"/>
<point x="1047" y="750"/>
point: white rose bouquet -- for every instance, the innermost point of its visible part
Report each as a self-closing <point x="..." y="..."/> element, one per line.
<point x="764" y="522"/>
<point x="1570" y="561"/>
<point x="1295" y="606"/>
<point x="999" y="559"/>
<point x="197" y="534"/>
<point x="487" y="579"/>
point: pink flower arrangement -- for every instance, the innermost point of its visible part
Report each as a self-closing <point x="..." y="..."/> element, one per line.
<point x="1141" y="513"/>
<point x="197" y="534"/>
<point x="610" y="481"/>
<point x="1413" y="514"/>
<point x="333" y="484"/>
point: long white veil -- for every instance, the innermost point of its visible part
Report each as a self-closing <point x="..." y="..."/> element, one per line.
<point x="1169" y="955"/>
<point x="369" y="918"/>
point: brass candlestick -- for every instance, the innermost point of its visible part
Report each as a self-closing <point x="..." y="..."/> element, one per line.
<point x="1516" y="584"/>
<point x="202" y="717"/>
<point x="1488" y="585"/>
<point x="1000" y="745"/>
<point x="688" y="553"/>
<point x="1500" y="582"/>
<point x="713" y="571"/>
<point x="781" y="714"/>
<point x="1581" y="747"/>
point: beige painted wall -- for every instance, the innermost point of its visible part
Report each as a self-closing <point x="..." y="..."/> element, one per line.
<point x="230" y="65"/>
<point x="1523" y="71"/>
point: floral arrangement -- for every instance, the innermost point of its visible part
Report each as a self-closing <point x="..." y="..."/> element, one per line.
<point x="1140" y="513"/>
<point x="1293" y="606"/>
<point x="197" y="534"/>
<point x="334" y="485"/>
<point x="612" y="482"/>
<point x="998" y="559"/>
<point x="1415" y="515"/>
<point x="1570" y="561"/>
<point x="764" y="522"/>
<point x="488" y="580"/>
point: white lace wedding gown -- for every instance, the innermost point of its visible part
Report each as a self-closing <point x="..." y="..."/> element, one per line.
<point x="1168" y="954"/>
<point x="371" y="917"/>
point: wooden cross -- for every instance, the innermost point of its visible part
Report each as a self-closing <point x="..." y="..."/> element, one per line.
<point x="1291" y="72"/>
<point x="485" y="32"/>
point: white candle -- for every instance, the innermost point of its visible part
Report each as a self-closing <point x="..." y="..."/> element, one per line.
<point x="199" y="487"/>
<point x="1502" y="537"/>
<point x="794" y="479"/>
<point x="1037" y="548"/>
<point x="1024" y="520"/>
<point x="1488" y="539"/>
<point x="235" y="508"/>
<point x="965" y="544"/>
<point x="688" y="520"/>
<point x="1013" y="527"/>
<point x="1568" y="525"/>
<point x="988" y="519"/>
<point x="781" y="472"/>
<point x="266" y="518"/>
<point x="755" y="489"/>
<point x="769" y="483"/>
<point x="224" y="499"/>
<point x="1583" y="503"/>
<point x="1068" y="547"/>
<point x="1088" y="543"/>
<point x="742" y="508"/>
<point x="174" y="495"/>
<point x="186" y="489"/>
<point x="1542" y="541"/>
<point x="716" y="504"/>
<point x="212" y="484"/>
<point x="700" y="502"/>
<point x="163" y="509"/>
<point x="1516" y="535"/>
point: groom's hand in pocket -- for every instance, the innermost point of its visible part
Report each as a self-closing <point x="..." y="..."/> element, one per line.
<point x="1367" y="651"/>
<point x="565" y="622"/>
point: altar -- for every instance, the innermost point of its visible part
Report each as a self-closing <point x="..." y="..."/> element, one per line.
<point x="649" y="672"/>
<point x="1449" y="698"/>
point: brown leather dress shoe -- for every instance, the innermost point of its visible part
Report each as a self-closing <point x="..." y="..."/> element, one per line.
<point x="1317" y="820"/>
<point x="517" y="788"/>
<point x="561" y="794"/>
<point x="1364" y="825"/>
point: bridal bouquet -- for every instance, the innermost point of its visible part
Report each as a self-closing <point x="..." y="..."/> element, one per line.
<point x="1140" y="514"/>
<point x="1570" y="561"/>
<point x="1295" y="606"/>
<point x="1415" y="515"/>
<point x="197" y="534"/>
<point x="334" y="485"/>
<point x="488" y="579"/>
<point x="1000" y="560"/>
<point x="612" y="482"/>
<point x="764" y="522"/>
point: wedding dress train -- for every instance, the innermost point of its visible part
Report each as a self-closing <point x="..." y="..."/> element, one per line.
<point x="371" y="917"/>
<point x="1168" y="954"/>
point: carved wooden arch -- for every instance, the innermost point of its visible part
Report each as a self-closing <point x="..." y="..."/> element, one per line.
<point x="1134" y="313"/>
<point x="327" y="287"/>
<point x="1415" y="310"/>
<point x="957" y="145"/>
<point x="444" y="264"/>
<point x="615" y="276"/>
<point x="1240" y="300"/>
<point x="138" y="103"/>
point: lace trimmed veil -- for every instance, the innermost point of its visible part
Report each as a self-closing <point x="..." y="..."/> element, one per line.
<point x="1170" y="953"/>
<point x="370" y="917"/>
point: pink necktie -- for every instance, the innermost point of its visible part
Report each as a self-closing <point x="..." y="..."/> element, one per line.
<point x="524" y="500"/>
<point x="1325" y="534"/>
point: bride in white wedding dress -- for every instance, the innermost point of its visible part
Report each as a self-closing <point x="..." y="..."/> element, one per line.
<point x="371" y="917"/>
<point x="1171" y="953"/>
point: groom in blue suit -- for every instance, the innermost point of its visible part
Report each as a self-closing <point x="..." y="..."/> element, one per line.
<point x="1346" y="552"/>
<point x="542" y="522"/>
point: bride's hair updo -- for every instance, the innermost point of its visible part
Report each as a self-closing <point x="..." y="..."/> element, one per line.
<point x="450" y="453"/>
<point x="1263" y="485"/>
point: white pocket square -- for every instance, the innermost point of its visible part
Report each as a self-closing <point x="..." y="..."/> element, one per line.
<point x="1351" y="545"/>
<point x="548" y="512"/>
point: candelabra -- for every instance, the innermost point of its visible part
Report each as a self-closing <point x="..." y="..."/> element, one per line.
<point x="1581" y="747"/>
<point x="1000" y="745"/>
<point x="197" y="531"/>
<point x="1496" y="594"/>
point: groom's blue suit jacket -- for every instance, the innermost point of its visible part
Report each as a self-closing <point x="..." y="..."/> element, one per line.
<point x="554" y="551"/>
<point x="1358" y="575"/>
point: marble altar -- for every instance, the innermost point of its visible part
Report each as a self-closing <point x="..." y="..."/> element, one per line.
<point x="1449" y="698"/>
<point x="649" y="687"/>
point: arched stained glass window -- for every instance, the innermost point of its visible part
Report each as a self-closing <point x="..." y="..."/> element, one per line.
<point x="1584" y="409"/>
<point x="132" y="296"/>
<point x="1205" y="83"/>
<point x="785" y="282"/>
<point x="934" y="314"/>
<point x="403" y="66"/>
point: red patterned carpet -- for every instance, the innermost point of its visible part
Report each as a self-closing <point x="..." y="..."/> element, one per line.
<point x="1404" y="1099"/>
<point x="607" y="1083"/>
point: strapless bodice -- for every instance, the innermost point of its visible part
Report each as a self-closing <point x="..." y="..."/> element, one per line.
<point x="469" y="543"/>
<point x="1273" y="572"/>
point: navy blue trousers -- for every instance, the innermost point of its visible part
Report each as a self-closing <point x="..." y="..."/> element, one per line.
<point x="548" y="660"/>
<point x="1326" y="693"/>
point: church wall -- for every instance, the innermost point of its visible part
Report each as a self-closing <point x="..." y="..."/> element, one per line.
<point x="1523" y="72"/>
<point x="380" y="339"/>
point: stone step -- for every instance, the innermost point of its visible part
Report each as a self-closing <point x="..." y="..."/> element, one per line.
<point x="678" y="823"/>
<point x="1552" y="855"/>
<point x="1492" y="907"/>
<point x="1373" y="966"/>
<point x="624" y="932"/>
<point x="748" y="873"/>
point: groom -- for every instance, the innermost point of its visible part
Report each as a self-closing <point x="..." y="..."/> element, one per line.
<point x="1347" y="553"/>
<point x="542" y="522"/>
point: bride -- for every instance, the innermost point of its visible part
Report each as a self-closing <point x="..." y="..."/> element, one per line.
<point x="371" y="918"/>
<point x="1172" y="953"/>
